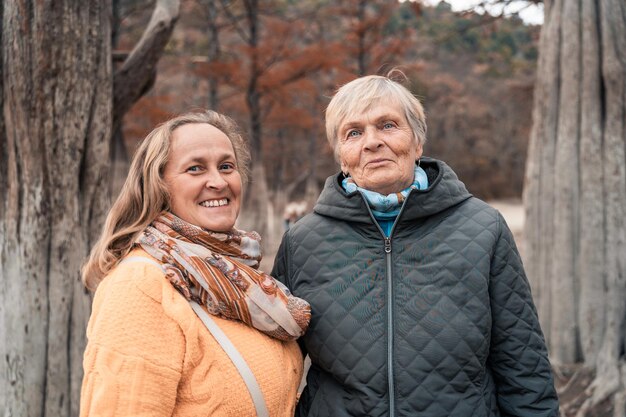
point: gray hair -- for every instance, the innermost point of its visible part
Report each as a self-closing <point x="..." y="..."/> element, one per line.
<point x="360" y="95"/>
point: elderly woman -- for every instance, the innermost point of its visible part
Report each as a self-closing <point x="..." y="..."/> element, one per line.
<point x="183" y="322"/>
<point x="420" y="305"/>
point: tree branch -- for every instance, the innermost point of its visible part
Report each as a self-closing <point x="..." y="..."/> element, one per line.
<point x="234" y="20"/>
<point x="138" y="72"/>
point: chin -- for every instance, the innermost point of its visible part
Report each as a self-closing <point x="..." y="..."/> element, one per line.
<point x="221" y="227"/>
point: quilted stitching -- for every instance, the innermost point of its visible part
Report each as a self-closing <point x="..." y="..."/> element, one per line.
<point x="464" y="321"/>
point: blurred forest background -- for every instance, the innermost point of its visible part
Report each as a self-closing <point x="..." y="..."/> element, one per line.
<point x="474" y="74"/>
<point x="517" y="110"/>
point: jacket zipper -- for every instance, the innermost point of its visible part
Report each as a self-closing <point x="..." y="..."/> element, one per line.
<point x="387" y="247"/>
<point x="390" y="382"/>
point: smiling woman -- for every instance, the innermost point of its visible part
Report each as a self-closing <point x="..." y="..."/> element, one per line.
<point x="183" y="322"/>
<point x="203" y="170"/>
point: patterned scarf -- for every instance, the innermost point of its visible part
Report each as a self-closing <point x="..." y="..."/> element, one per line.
<point x="219" y="272"/>
<point x="387" y="206"/>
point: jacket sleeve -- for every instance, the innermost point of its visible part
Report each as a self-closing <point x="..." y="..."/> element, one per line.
<point x="133" y="360"/>
<point x="518" y="355"/>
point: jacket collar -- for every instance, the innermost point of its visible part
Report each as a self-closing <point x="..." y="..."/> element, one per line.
<point x="444" y="191"/>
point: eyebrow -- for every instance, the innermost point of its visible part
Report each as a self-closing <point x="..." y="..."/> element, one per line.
<point x="355" y="123"/>
<point x="348" y="125"/>
<point x="220" y="158"/>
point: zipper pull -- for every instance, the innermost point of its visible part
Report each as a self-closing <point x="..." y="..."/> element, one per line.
<point x="387" y="245"/>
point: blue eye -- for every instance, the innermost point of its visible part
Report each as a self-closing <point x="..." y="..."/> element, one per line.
<point x="353" y="133"/>
<point x="194" y="168"/>
<point x="389" y="125"/>
<point x="227" y="166"/>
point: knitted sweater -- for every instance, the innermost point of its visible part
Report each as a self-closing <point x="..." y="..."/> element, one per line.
<point x="148" y="354"/>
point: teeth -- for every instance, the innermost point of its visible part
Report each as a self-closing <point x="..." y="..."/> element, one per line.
<point x="215" y="203"/>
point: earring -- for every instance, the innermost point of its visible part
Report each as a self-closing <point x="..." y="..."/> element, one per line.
<point x="418" y="162"/>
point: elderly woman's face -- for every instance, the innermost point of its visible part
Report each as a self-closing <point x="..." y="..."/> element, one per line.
<point x="202" y="177"/>
<point x="378" y="150"/>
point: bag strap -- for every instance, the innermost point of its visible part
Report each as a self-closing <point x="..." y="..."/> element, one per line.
<point x="223" y="340"/>
<point x="236" y="358"/>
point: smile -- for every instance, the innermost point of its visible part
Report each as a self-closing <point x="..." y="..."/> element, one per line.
<point x="215" y="203"/>
<point x="377" y="161"/>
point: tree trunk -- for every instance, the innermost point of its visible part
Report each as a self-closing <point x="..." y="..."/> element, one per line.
<point x="57" y="100"/>
<point x="361" y="34"/>
<point x="135" y="77"/>
<point x="120" y="162"/>
<point x="575" y="191"/>
<point x="137" y="74"/>
<point x="57" y="95"/>
<point x="256" y="201"/>
<point x="564" y="331"/>
<point x="312" y="189"/>
<point x="214" y="49"/>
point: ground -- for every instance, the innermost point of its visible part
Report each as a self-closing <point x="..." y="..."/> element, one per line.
<point x="571" y="383"/>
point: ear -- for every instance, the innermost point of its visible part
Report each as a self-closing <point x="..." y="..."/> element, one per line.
<point x="419" y="152"/>
<point x="344" y="169"/>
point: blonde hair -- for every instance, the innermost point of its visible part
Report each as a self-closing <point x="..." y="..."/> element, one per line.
<point x="144" y="194"/>
<point x="358" y="96"/>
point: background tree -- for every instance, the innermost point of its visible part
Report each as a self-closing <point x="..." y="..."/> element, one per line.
<point x="213" y="29"/>
<point x="135" y="74"/>
<point x="575" y="191"/>
<point x="474" y="74"/>
<point x="57" y="116"/>
<point x="369" y="44"/>
<point x="57" y="94"/>
<point x="263" y="58"/>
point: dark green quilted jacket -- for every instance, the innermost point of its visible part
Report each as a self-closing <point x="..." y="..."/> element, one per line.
<point x="436" y="320"/>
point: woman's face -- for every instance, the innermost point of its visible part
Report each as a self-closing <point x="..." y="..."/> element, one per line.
<point x="202" y="177"/>
<point x="378" y="150"/>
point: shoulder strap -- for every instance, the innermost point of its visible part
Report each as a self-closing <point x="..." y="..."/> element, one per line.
<point x="221" y="338"/>
<point x="236" y="358"/>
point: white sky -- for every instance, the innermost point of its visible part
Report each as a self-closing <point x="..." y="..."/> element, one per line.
<point x="531" y="14"/>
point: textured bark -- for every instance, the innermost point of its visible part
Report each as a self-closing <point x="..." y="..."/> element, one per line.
<point x="135" y="77"/>
<point x="57" y="126"/>
<point x="575" y="191"/>
<point x="564" y="330"/>
<point x="55" y="134"/>
<point x="137" y="74"/>
<point x="592" y="245"/>
<point x="539" y="173"/>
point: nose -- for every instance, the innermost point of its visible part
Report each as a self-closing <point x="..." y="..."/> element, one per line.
<point x="214" y="180"/>
<point x="372" y="139"/>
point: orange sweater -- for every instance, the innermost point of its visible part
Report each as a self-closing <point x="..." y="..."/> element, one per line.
<point x="148" y="354"/>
